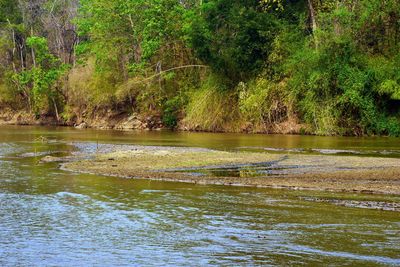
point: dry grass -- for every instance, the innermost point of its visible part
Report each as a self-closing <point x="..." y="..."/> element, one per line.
<point x="79" y="84"/>
<point x="212" y="109"/>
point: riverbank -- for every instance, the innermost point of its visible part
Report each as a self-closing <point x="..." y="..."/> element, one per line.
<point x="121" y="120"/>
<point x="12" y="117"/>
<point x="204" y="166"/>
<point x="105" y="119"/>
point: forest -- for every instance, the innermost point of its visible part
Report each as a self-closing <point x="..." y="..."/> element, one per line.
<point x="325" y="67"/>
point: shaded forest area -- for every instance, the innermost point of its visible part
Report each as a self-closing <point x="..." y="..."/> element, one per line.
<point x="328" y="67"/>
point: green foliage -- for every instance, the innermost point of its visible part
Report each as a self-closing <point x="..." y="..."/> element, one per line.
<point x="263" y="103"/>
<point x="40" y="80"/>
<point x="136" y="30"/>
<point x="9" y="12"/>
<point x="172" y="108"/>
<point x="9" y="95"/>
<point x="233" y="37"/>
<point x="216" y="65"/>
<point x="338" y="87"/>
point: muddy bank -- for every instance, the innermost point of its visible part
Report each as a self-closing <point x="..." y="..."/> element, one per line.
<point x="11" y="117"/>
<point x="203" y="166"/>
<point x="122" y="120"/>
<point x="101" y="119"/>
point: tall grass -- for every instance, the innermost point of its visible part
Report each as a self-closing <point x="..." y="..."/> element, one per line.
<point x="212" y="108"/>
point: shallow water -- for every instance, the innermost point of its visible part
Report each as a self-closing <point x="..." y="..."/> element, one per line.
<point x="49" y="217"/>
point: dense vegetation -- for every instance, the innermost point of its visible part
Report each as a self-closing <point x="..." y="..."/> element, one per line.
<point x="324" y="67"/>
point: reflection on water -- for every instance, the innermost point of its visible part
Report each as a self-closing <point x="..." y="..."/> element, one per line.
<point x="54" y="218"/>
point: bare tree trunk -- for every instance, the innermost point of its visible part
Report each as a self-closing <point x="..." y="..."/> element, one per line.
<point x="314" y="25"/>
<point x="14" y="47"/>
<point x="312" y="16"/>
<point x="75" y="44"/>
<point x="55" y="108"/>
<point x="33" y="51"/>
<point x="21" y="55"/>
<point x="158" y="72"/>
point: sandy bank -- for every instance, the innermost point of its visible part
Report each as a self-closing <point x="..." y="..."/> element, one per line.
<point x="203" y="166"/>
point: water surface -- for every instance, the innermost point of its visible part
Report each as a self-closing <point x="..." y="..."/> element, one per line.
<point x="49" y="217"/>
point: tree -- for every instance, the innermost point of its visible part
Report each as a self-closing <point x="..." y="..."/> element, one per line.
<point x="41" y="80"/>
<point x="233" y="37"/>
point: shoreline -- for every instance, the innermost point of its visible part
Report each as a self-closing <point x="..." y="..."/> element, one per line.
<point x="350" y="174"/>
<point x="123" y="121"/>
<point x="231" y="182"/>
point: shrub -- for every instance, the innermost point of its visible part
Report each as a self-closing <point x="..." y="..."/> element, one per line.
<point x="212" y="108"/>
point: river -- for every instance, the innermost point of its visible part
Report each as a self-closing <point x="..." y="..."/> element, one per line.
<point x="50" y="217"/>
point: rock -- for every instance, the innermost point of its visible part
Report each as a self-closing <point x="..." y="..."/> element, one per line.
<point x="48" y="159"/>
<point x="133" y="117"/>
<point x="83" y="125"/>
<point x="134" y="124"/>
<point x="153" y="122"/>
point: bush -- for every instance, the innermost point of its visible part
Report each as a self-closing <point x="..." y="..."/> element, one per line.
<point x="171" y="110"/>
<point x="212" y="108"/>
<point x="263" y="103"/>
<point x="88" y="88"/>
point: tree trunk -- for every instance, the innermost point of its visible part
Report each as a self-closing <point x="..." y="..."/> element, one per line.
<point x="56" y="109"/>
<point x="21" y="55"/>
<point x="312" y="16"/>
<point x="33" y="52"/>
<point x="313" y="19"/>
<point x="14" y="47"/>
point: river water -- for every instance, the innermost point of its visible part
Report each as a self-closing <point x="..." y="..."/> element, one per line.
<point x="50" y="217"/>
